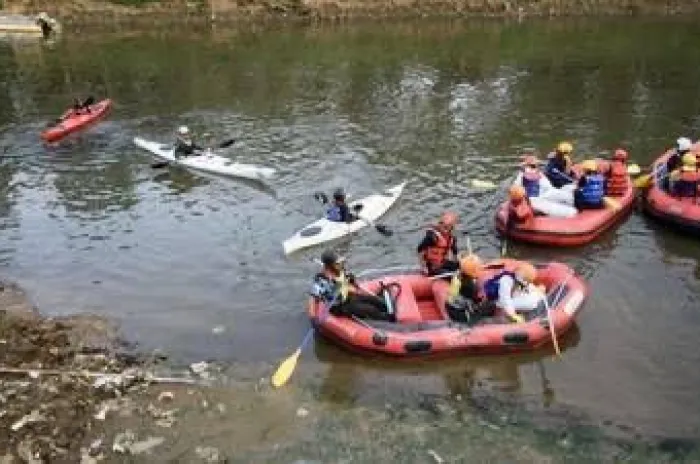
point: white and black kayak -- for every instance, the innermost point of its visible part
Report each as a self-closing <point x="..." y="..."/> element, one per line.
<point x="368" y="209"/>
<point x="208" y="162"/>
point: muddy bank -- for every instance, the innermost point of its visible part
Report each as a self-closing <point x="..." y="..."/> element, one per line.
<point x="203" y="11"/>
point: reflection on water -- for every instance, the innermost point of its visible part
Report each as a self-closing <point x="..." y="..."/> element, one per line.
<point x="88" y="225"/>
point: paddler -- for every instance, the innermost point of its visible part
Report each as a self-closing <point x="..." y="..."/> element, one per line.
<point x="48" y="25"/>
<point x="590" y="191"/>
<point x="617" y="180"/>
<point x="339" y="210"/>
<point x="683" y="146"/>
<point x="334" y="285"/>
<point x="464" y="300"/>
<point x="685" y="181"/>
<point x="559" y="164"/>
<point x="537" y="185"/>
<point x="184" y="145"/>
<point x="515" y="291"/>
<point x="439" y="245"/>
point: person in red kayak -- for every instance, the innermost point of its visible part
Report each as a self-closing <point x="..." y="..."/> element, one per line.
<point x="439" y="245"/>
<point x="79" y="107"/>
<point x="184" y="144"/>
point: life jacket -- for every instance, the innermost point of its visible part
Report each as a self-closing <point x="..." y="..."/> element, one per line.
<point x="334" y="214"/>
<point x="521" y="211"/>
<point x="340" y="283"/>
<point x="593" y="192"/>
<point x="617" y="179"/>
<point x="687" y="184"/>
<point x="492" y="285"/>
<point x="531" y="182"/>
<point x="435" y="255"/>
<point x="556" y="169"/>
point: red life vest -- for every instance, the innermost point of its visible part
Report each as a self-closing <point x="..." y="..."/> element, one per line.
<point x="435" y="255"/>
<point x="520" y="210"/>
<point x="617" y="179"/>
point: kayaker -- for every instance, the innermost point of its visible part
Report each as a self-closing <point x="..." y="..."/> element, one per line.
<point x="683" y="146"/>
<point x="184" y="145"/>
<point x="617" y="180"/>
<point x="334" y="285"/>
<point x="439" y="245"/>
<point x="537" y="185"/>
<point x="48" y="25"/>
<point x="514" y="291"/>
<point x="464" y="300"/>
<point x="82" y="106"/>
<point x="558" y="168"/>
<point x="685" y="181"/>
<point x="339" y="210"/>
<point x="591" y="187"/>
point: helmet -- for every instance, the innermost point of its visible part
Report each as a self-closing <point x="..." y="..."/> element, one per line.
<point x="516" y="192"/>
<point x="339" y="194"/>
<point x="620" y="155"/>
<point x="684" y="144"/>
<point x="330" y="257"/>
<point x="589" y="165"/>
<point x="689" y="159"/>
<point x="470" y="265"/>
<point x="526" y="273"/>
<point x="565" y="148"/>
<point x="183" y="130"/>
<point x="448" y="219"/>
<point x="530" y="160"/>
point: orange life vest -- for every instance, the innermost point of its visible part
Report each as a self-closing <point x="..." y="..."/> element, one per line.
<point x="617" y="179"/>
<point x="520" y="210"/>
<point x="435" y="255"/>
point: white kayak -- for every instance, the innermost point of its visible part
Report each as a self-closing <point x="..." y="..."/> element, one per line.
<point x="372" y="208"/>
<point x="208" y="162"/>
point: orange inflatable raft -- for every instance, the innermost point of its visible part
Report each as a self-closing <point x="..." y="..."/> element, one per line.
<point x="581" y="229"/>
<point x="683" y="213"/>
<point x="423" y="327"/>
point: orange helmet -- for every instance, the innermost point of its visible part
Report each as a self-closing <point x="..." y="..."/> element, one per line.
<point x="516" y="192"/>
<point x="530" y="160"/>
<point x="620" y="155"/>
<point x="526" y="272"/>
<point x="470" y="265"/>
<point x="448" y="219"/>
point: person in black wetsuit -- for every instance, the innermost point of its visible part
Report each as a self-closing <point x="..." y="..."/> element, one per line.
<point x="336" y="287"/>
<point x="184" y="145"/>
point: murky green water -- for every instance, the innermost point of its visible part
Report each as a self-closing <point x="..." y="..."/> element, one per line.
<point x="88" y="226"/>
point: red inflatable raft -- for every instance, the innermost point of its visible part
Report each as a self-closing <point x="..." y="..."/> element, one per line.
<point x="74" y="122"/>
<point x="684" y="213"/>
<point x="423" y="327"/>
<point x="581" y="229"/>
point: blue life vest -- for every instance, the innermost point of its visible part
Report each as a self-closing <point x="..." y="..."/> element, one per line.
<point x="686" y="187"/>
<point x="555" y="171"/>
<point x="531" y="184"/>
<point x="324" y="289"/>
<point x="492" y="285"/>
<point x="334" y="214"/>
<point x="593" y="192"/>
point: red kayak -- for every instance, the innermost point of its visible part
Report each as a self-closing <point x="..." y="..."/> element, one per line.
<point x="424" y="329"/>
<point x="581" y="229"/>
<point x="73" y="121"/>
<point x="683" y="213"/>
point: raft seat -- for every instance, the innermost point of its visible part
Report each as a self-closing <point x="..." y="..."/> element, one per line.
<point x="407" y="309"/>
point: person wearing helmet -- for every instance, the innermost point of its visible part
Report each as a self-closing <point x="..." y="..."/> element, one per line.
<point x="558" y="168"/>
<point x="514" y="291"/>
<point x="439" y="246"/>
<point x="184" y="144"/>
<point x="79" y="107"/>
<point x="339" y="211"/>
<point x="537" y="185"/>
<point x="683" y="145"/>
<point x="684" y="181"/>
<point x="339" y="289"/>
<point x="463" y="297"/>
<point x="48" y="25"/>
<point x="617" y="180"/>
<point x="591" y="187"/>
<point x="519" y="208"/>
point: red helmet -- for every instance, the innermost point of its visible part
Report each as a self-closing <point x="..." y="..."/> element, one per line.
<point x="620" y="155"/>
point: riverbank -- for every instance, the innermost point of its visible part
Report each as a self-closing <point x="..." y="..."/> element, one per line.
<point x="145" y="11"/>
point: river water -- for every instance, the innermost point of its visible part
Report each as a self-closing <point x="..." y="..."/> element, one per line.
<point x="89" y="226"/>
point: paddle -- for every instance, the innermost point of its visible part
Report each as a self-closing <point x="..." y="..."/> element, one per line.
<point x="224" y="144"/>
<point x="549" y="312"/>
<point x="286" y="368"/>
<point x="381" y="228"/>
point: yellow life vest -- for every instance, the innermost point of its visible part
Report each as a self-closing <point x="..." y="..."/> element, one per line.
<point x="455" y="287"/>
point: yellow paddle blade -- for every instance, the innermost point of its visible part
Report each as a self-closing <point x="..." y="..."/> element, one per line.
<point x="611" y="203"/>
<point x="484" y="184"/>
<point x="286" y="369"/>
<point x="634" y="170"/>
<point x="642" y="182"/>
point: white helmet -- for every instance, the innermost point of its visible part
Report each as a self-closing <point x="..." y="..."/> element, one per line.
<point x="684" y="144"/>
<point x="43" y="16"/>
<point x="183" y="130"/>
